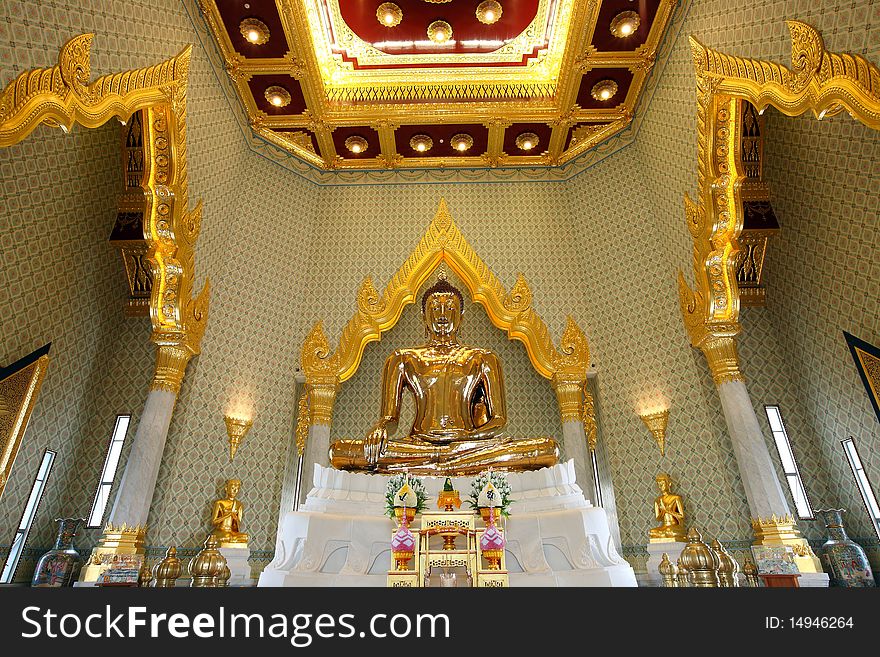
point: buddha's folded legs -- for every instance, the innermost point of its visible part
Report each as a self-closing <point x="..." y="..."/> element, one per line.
<point x="465" y="457"/>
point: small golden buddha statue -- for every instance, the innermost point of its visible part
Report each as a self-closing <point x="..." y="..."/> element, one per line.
<point x="226" y="517"/>
<point x="460" y="407"/>
<point x="669" y="510"/>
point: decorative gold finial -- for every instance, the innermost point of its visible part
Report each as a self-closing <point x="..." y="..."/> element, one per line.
<point x="656" y="423"/>
<point x="728" y="567"/>
<point x="207" y="567"/>
<point x="700" y="561"/>
<point x="669" y="571"/>
<point x="167" y="571"/>
<point x="236" y="428"/>
<point x="145" y="577"/>
<point x="750" y="570"/>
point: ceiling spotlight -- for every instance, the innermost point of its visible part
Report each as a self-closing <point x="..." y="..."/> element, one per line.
<point x="625" y="24"/>
<point x="527" y="141"/>
<point x="254" y="30"/>
<point x="421" y="143"/>
<point x="489" y="12"/>
<point x="439" y="31"/>
<point x="604" y="90"/>
<point x="277" y="96"/>
<point x="356" y="144"/>
<point x="389" y="14"/>
<point x="461" y="142"/>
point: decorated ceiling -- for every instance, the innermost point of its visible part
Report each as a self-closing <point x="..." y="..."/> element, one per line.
<point x="365" y="84"/>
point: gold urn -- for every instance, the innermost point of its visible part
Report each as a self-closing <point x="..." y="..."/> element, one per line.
<point x="207" y="567"/>
<point x="700" y="561"/>
<point x="167" y="571"/>
<point x="728" y="568"/>
<point x="399" y="514"/>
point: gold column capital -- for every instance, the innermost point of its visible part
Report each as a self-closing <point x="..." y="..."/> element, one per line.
<point x="570" y="395"/>
<point x="723" y="359"/>
<point x="171" y="361"/>
<point x="322" y="396"/>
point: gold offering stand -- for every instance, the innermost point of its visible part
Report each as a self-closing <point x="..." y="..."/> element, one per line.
<point x="434" y="562"/>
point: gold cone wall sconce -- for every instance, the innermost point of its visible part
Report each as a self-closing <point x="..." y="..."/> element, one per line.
<point x="236" y="428"/>
<point x="656" y="423"/>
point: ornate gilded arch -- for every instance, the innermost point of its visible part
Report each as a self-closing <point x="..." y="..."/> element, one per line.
<point x="823" y="82"/>
<point x="62" y="96"/>
<point x="510" y="311"/>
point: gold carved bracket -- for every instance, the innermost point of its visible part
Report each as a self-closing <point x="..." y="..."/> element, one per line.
<point x="819" y="81"/>
<point x="376" y="313"/>
<point x="62" y="96"/>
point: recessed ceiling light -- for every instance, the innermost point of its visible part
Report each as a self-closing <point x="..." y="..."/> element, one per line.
<point x="625" y="24"/>
<point x="421" y="143"/>
<point x="356" y="144"/>
<point x="461" y="142"/>
<point x="489" y="12"/>
<point x="527" y="141"/>
<point x="389" y="14"/>
<point x="604" y="90"/>
<point x="254" y="31"/>
<point x="439" y="31"/>
<point x="277" y="96"/>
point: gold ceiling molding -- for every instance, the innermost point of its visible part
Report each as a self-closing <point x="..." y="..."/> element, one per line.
<point x="819" y="81"/>
<point x="62" y="96"/>
<point x="339" y="96"/>
<point x="510" y="311"/>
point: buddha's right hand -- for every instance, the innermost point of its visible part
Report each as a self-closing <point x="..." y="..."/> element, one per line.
<point x="374" y="442"/>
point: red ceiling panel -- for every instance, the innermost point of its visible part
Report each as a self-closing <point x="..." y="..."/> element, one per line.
<point x="479" y="133"/>
<point x="623" y="78"/>
<point x="343" y="133"/>
<point x="360" y="16"/>
<point x="232" y="12"/>
<point x="541" y="129"/>
<point x="258" y="85"/>
<point x="604" y="41"/>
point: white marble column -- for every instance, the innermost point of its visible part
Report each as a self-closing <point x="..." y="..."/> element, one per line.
<point x="135" y="493"/>
<point x="763" y="490"/>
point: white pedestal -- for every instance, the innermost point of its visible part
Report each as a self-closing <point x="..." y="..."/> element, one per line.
<point x="655" y="556"/>
<point x="341" y="536"/>
<point x="240" y="569"/>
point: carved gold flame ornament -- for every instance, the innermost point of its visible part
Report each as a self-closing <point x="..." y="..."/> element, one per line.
<point x="527" y="141"/>
<point x="356" y="144"/>
<point x="254" y="30"/>
<point x="604" y="90"/>
<point x="389" y="14"/>
<point x="625" y="24"/>
<point x="439" y="31"/>
<point x="236" y="428"/>
<point x="277" y="96"/>
<point x="489" y="12"/>
<point x="656" y="423"/>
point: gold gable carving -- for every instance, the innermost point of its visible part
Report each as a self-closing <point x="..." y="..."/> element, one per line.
<point x="61" y="96"/>
<point x="819" y="81"/>
<point x="509" y="311"/>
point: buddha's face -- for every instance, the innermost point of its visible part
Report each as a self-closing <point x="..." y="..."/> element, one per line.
<point x="442" y="313"/>
<point x="663" y="484"/>
<point x="232" y="488"/>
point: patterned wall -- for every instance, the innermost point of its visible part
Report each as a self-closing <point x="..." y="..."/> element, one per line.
<point x="282" y="253"/>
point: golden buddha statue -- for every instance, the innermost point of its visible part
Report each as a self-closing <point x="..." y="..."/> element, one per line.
<point x="669" y="510"/>
<point x="226" y="517"/>
<point x="460" y="409"/>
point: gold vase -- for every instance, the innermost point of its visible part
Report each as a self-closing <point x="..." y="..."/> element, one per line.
<point x="493" y="558"/>
<point x="410" y="514"/>
<point x="401" y="559"/>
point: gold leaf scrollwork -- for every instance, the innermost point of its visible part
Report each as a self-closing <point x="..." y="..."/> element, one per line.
<point x="368" y="300"/>
<point x="588" y="417"/>
<point x="303" y="420"/>
<point x="520" y="296"/>
<point x="574" y="351"/>
<point x="316" y="357"/>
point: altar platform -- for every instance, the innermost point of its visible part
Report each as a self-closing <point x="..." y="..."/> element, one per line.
<point x="341" y="537"/>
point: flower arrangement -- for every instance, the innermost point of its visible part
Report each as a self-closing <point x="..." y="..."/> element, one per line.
<point x="499" y="480"/>
<point x="394" y="485"/>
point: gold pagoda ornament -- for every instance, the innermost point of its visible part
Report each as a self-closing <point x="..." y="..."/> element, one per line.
<point x="207" y="567"/>
<point x="700" y="561"/>
<point x="167" y="571"/>
<point x="236" y="429"/>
